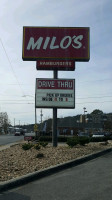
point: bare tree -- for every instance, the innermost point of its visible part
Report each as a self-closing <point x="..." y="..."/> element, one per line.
<point x="4" y="122"/>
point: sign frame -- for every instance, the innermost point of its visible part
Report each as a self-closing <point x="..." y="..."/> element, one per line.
<point x="56" y="43"/>
<point x="53" y="90"/>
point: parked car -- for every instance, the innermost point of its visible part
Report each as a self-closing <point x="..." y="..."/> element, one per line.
<point x="17" y="133"/>
<point x="98" y="134"/>
<point x="29" y="136"/>
<point x="107" y="134"/>
<point x="82" y="134"/>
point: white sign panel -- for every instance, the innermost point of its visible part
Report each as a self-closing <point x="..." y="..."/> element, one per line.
<point x="59" y="93"/>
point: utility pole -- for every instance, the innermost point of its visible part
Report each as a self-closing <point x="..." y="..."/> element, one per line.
<point x="14" y="122"/>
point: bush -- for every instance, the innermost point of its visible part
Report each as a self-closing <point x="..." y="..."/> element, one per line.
<point x="37" y="146"/>
<point x="43" y="144"/>
<point x="78" y="140"/>
<point x="62" y="139"/>
<point x="49" y="138"/>
<point x="72" y="141"/>
<point x="27" y="146"/>
<point x="84" y="140"/>
<point x="97" y="139"/>
<point x="45" y="138"/>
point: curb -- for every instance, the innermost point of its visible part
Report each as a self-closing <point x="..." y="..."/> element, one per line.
<point x="6" y="185"/>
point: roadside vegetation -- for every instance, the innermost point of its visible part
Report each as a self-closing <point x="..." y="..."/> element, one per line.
<point x="70" y="141"/>
<point x="36" y="146"/>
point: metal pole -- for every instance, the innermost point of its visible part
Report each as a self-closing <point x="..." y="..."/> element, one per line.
<point x="35" y="113"/>
<point x="14" y="125"/>
<point x="54" y="134"/>
<point x="35" y="116"/>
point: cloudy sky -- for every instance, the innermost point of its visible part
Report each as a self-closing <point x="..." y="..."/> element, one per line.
<point x="17" y="77"/>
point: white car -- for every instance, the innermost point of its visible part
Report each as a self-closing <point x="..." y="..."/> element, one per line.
<point x="98" y="134"/>
<point x="17" y="133"/>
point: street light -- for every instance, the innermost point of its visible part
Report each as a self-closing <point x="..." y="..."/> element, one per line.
<point x="84" y="110"/>
<point x="84" y="117"/>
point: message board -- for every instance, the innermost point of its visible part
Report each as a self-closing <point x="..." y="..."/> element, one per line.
<point x="56" y="43"/>
<point x="59" y="93"/>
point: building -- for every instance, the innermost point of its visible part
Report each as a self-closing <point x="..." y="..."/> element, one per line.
<point x="96" y="122"/>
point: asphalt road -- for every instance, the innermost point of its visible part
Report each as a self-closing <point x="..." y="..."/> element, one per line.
<point x="8" y="139"/>
<point x="89" y="181"/>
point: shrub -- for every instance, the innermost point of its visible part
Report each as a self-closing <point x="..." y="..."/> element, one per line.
<point x="45" y="138"/>
<point x="97" y="139"/>
<point x="43" y="144"/>
<point x="62" y="139"/>
<point x="27" y="146"/>
<point x="37" y="146"/>
<point x="72" y="141"/>
<point x="83" y="140"/>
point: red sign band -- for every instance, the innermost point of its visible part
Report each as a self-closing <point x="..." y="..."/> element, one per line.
<point x="66" y="65"/>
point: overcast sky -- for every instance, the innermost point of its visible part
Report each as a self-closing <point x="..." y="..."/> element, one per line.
<point x="17" y="77"/>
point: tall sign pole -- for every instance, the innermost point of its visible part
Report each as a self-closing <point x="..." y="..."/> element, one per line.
<point x="54" y="132"/>
<point x="35" y="126"/>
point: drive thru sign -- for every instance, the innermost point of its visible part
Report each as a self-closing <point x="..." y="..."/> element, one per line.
<point x="59" y="93"/>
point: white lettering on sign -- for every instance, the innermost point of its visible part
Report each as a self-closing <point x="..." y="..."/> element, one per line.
<point x="65" y="42"/>
<point x="65" y="84"/>
<point x="33" y="45"/>
<point x="52" y="46"/>
<point x="69" y="39"/>
<point x="46" y="84"/>
<point x="79" y="44"/>
<point x="57" y="63"/>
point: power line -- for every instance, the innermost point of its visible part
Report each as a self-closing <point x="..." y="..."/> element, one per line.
<point x="11" y="66"/>
<point x="94" y="97"/>
<point x="95" y="102"/>
<point x="76" y="103"/>
<point x="79" y="82"/>
<point x="16" y="100"/>
<point x="17" y="103"/>
<point x="13" y="101"/>
<point x="32" y="99"/>
<point x="96" y="80"/>
<point x="17" y="113"/>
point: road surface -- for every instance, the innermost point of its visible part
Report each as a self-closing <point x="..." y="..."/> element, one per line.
<point x="89" y="181"/>
<point x="7" y="139"/>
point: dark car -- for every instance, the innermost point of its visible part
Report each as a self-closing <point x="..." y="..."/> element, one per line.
<point x="82" y="134"/>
